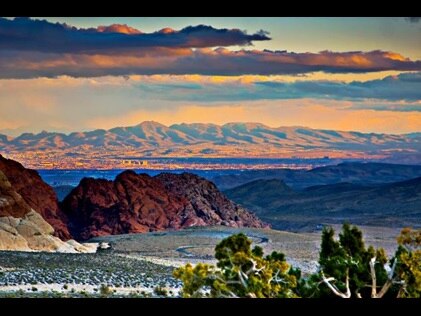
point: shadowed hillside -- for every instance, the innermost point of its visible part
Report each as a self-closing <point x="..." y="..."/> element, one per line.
<point x="393" y="205"/>
<point x="352" y="172"/>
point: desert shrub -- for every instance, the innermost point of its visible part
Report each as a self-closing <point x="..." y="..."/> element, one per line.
<point x="160" y="291"/>
<point x="105" y="290"/>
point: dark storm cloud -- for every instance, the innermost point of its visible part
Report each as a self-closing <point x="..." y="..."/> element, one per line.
<point x="24" y="34"/>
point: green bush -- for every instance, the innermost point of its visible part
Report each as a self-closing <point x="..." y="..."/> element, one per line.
<point x="240" y="272"/>
<point x="105" y="290"/>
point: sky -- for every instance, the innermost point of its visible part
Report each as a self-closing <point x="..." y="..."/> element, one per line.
<point x="77" y="74"/>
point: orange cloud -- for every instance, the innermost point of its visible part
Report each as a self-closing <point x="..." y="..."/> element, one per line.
<point x="167" y="30"/>
<point x="118" y="28"/>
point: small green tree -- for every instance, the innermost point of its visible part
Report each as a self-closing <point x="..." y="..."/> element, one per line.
<point x="240" y="272"/>
<point x="348" y="269"/>
<point x="409" y="263"/>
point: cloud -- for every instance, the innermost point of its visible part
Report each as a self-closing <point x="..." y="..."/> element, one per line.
<point x="38" y="48"/>
<point x="402" y="87"/>
<point x="24" y="34"/>
<point x="413" y="19"/>
<point x="205" y="61"/>
<point x="405" y="86"/>
<point x="118" y="28"/>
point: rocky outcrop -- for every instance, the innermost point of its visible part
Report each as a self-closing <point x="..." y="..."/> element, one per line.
<point x="33" y="233"/>
<point x="137" y="203"/>
<point x="23" y="229"/>
<point x="207" y="205"/>
<point x="130" y="204"/>
<point x="36" y="193"/>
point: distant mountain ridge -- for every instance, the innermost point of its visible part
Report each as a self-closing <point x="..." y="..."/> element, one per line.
<point x="395" y="204"/>
<point x="210" y="138"/>
<point x="368" y="173"/>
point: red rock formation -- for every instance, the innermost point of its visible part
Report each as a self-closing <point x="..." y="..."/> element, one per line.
<point x="207" y="202"/>
<point x="37" y="194"/>
<point x="135" y="203"/>
<point x="130" y="204"/>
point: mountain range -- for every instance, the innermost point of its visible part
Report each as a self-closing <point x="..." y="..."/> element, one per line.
<point x="229" y="140"/>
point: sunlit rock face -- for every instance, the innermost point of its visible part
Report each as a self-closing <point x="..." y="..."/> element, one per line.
<point x="38" y="195"/>
<point x="23" y="229"/>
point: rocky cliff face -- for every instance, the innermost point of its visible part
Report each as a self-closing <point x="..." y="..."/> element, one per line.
<point x="23" y="229"/>
<point x="36" y="193"/>
<point x="135" y="203"/>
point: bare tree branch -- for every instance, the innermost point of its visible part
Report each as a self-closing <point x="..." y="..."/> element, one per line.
<point x="334" y="289"/>
<point x="373" y="277"/>
<point x="253" y="268"/>
<point x="243" y="282"/>
<point x="348" y="290"/>
<point x="392" y="271"/>
<point x="389" y="282"/>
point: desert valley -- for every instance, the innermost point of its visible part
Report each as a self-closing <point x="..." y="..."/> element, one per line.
<point x="210" y="157"/>
<point x="156" y="223"/>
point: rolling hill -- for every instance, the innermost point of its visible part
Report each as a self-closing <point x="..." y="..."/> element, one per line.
<point x="395" y="204"/>
<point x="369" y="173"/>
